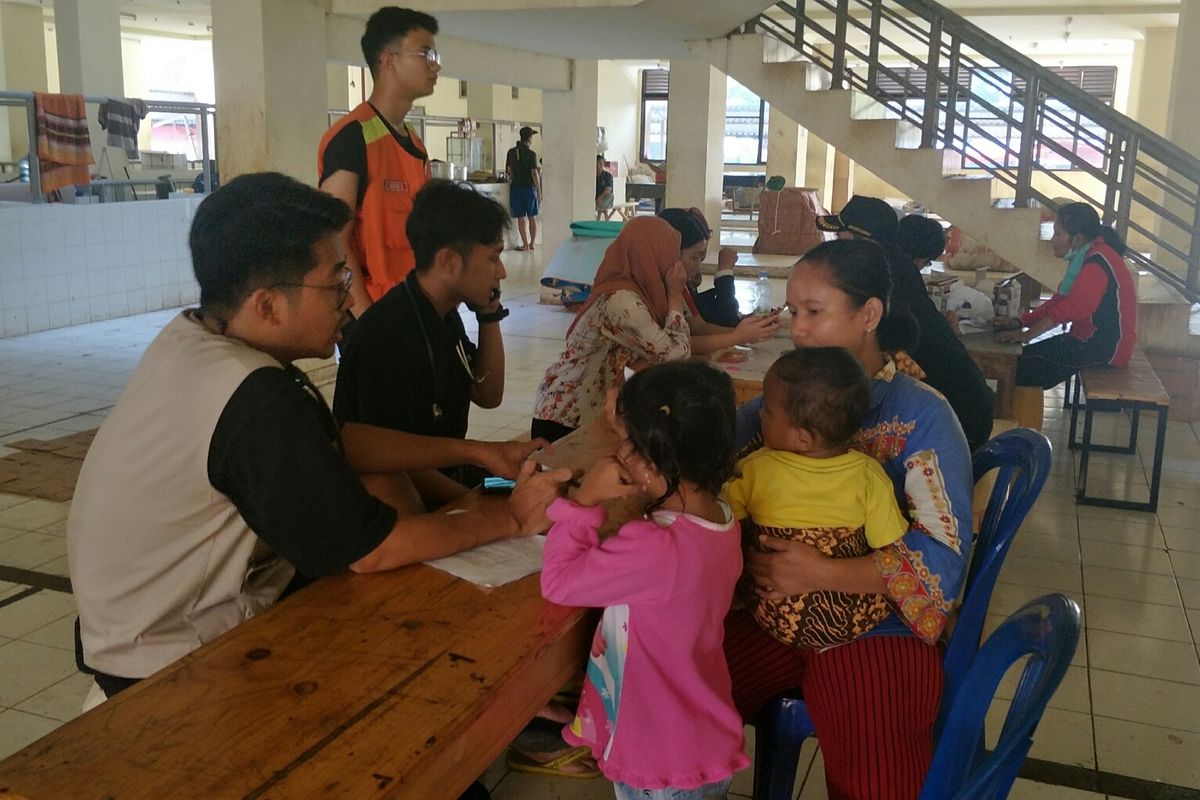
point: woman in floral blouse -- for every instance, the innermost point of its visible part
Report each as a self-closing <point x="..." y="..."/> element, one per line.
<point x="873" y="701"/>
<point x="633" y="318"/>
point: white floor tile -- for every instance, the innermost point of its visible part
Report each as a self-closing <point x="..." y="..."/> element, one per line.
<point x="18" y="729"/>
<point x="29" y="668"/>
<point x="35" y="611"/>
<point x="1148" y="751"/>
<point x="62" y="701"/>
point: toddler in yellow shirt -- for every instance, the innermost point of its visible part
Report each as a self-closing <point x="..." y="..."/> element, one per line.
<point x="807" y="484"/>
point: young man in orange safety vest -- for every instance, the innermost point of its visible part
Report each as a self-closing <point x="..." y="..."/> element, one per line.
<point x="375" y="162"/>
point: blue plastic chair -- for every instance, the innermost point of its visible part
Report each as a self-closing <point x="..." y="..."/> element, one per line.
<point x="1022" y="457"/>
<point x="1047" y="631"/>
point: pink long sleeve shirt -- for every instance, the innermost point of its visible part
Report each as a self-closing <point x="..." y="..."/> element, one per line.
<point x="656" y="707"/>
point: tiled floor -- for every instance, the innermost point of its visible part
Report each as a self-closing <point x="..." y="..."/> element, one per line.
<point x="1130" y="706"/>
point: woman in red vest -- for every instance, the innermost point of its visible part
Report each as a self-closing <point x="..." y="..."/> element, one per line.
<point x="1097" y="298"/>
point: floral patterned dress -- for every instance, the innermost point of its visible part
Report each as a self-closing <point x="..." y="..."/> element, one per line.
<point x="617" y="331"/>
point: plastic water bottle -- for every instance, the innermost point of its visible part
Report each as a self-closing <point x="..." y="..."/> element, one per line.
<point x="762" y="294"/>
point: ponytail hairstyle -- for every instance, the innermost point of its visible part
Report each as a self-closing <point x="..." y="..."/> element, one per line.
<point x="690" y="223"/>
<point x="1081" y="218"/>
<point x="859" y="268"/>
<point x="680" y="417"/>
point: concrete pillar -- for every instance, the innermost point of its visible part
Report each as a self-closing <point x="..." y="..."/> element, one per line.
<point x="337" y="87"/>
<point x="492" y="101"/>
<point x="787" y="149"/>
<point x="88" y="34"/>
<point x="696" y="138"/>
<point x="1183" y="110"/>
<point x="269" y="65"/>
<point x="1150" y="81"/>
<point x="5" y="142"/>
<point x="843" y="181"/>
<point x="568" y="156"/>
<point x="818" y="168"/>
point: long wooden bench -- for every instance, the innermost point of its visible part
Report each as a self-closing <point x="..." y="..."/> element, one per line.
<point x="1136" y="388"/>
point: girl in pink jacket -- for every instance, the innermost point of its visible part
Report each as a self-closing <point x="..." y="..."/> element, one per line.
<point x="656" y="707"/>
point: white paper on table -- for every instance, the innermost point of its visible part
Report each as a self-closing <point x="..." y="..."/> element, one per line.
<point x="497" y="563"/>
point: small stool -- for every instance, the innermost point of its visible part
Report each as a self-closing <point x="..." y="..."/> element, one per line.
<point x="626" y="211"/>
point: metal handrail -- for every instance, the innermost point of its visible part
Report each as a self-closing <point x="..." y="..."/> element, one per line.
<point x="203" y="110"/>
<point x="1151" y="185"/>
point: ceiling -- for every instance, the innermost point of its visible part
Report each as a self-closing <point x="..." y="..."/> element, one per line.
<point x="656" y="29"/>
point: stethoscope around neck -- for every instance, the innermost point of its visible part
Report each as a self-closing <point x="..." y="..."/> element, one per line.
<point x="459" y="350"/>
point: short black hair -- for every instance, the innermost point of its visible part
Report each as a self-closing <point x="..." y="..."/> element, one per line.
<point x="680" y="417"/>
<point x="455" y="215"/>
<point x="259" y="230"/>
<point x="389" y="24"/>
<point x="920" y="237"/>
<point x="826" y="391"/>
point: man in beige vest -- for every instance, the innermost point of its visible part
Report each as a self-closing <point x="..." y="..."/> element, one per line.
<point x="220" y="477"/>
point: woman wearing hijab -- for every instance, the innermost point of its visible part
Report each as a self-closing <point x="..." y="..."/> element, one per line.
<point x="634" y="317"/>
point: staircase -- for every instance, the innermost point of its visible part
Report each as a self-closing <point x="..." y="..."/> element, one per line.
<point x="888" y="148"/>
<point x="887" y="82"/>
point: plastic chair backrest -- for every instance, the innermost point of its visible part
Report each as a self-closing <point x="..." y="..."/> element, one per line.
<point x="1022" y="458"/>
<point x="1047" y="631"/>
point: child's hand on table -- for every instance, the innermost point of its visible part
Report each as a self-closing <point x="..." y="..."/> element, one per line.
<point x="607" y="480"/>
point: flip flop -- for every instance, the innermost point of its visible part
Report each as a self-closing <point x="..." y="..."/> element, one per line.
<point x="557" y="766"/>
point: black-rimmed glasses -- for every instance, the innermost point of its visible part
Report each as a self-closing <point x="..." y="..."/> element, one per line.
<point x="342" y="287"/>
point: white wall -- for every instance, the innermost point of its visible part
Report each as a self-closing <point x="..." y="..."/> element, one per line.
<point x="65" y="265"/>
<point x="617" y="109"/>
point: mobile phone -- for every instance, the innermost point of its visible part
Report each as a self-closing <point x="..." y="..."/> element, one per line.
<point x="494" y="485"/>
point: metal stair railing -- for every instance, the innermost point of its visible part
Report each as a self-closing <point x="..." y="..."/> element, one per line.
<point x="1038" y="134"/>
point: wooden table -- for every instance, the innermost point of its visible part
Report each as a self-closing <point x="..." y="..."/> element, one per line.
<point x="997" y="361"/>
<point x="748" y="375"/>
<point x="647" y="191"/>
<point x="402" y="685"/>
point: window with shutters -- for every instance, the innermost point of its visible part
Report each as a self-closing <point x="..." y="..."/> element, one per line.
<point x="654" y="114"/>
<point x="746" y="119"/>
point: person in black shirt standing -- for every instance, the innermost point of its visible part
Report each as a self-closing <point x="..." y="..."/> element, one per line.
<point x="525" y="187"/>
<point x="940" y="355"/>
<point x="408" y="364"/>
<point x="604" y="190"/>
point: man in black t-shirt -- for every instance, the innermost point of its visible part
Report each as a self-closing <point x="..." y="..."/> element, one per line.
<point x="220" y="475"/>
<point x="408" y="363"/>
<point x="525" y="186"/>
<point x="604" y="190"/>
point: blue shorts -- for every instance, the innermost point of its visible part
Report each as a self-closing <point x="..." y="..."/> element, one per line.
<point x="522" y="201"/>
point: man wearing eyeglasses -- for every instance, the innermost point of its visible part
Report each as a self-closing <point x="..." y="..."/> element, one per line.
<point x="373" y="161"/>
<point x="220" y="476"/>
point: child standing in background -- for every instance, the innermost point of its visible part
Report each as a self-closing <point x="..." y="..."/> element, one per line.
<point x="656" y="707"/>
<point x="807" y="484"/>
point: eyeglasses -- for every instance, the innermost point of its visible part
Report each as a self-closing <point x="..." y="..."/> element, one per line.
<point x="342" y="287"/>
<point x="432" y="57"/>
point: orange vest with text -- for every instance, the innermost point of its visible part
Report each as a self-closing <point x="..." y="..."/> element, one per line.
<point x="377" y="236"/>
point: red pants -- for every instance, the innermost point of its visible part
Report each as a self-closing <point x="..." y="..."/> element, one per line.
<point x="873" y="703"/>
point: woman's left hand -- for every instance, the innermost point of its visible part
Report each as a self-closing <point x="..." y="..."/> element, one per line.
<point x="782" y="567"/>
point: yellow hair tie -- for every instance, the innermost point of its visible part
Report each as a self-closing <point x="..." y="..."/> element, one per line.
<point x="665" y="409"/>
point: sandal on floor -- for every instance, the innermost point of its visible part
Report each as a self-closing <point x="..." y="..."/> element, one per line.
<point x="580" y="757"/>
